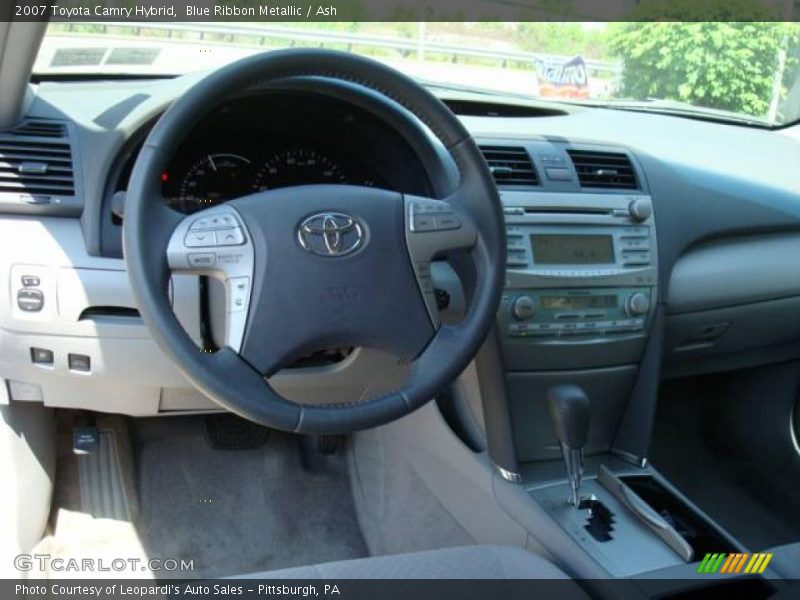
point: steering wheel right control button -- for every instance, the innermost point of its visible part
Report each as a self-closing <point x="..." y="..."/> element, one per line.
<point x="446" y="221"/>
<point x="432" y="215"/>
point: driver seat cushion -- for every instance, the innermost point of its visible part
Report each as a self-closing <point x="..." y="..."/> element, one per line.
<point x="464" y="562"/>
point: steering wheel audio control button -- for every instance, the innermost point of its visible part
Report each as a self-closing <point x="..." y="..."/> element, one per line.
<point x="199" y="224"/>
<point x="230" y="237"/>
<point x="238" y="293"/>
<point x="198" y="260"/>
<point x="430" y="207"/>
<point x="445" y="222"/>
<point x="423" y="223"/>
<point x="199" y="239"/>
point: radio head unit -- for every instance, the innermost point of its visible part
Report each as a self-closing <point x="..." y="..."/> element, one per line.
<point x="578" y="266"/>
<point x="596" y="243"/>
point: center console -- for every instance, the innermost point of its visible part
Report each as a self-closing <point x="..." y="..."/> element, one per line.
<point x="578" y="329"/>
<point x="580" y="295"/>
<point x="581" y="276"/>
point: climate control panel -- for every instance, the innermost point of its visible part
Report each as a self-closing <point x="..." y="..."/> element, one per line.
<point x="574" y="313"/>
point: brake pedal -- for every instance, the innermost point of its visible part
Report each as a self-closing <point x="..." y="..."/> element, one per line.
<point x="230" y="432"/>
<point x="314" y="447"/>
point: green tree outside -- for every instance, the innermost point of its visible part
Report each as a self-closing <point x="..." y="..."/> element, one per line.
<point x="722" y="65"/>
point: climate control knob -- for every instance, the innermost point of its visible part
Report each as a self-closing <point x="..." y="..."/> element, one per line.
<point x="522" y="308"/>
<point x="637" y="304"/>
<point x="640" y="209"/>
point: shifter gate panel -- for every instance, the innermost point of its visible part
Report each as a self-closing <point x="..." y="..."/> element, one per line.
<point x="632" y="549"/>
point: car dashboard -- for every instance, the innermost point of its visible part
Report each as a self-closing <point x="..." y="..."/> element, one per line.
<point x="616" y="225"/>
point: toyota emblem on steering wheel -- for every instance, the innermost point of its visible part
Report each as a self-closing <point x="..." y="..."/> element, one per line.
<point x="330" y="234"/>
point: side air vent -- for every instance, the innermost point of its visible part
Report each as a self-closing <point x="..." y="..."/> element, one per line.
<point x="510" y="165"/>
<point x="49" y="129"/>
<point x="36" y="161"/>
<point x="608" y="170"/>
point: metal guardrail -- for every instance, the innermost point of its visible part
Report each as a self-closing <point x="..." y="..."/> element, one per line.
<point x="418" y="47"/>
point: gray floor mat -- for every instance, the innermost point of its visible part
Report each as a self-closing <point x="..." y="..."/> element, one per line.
<point x="239" y="511"/>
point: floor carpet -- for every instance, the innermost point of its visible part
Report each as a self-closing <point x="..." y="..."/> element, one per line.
<point x="229" y="511"/>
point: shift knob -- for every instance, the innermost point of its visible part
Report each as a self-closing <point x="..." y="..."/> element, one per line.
<point x="570" y="411"/>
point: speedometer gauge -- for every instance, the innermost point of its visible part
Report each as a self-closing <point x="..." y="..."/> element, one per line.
<point x="213" y="179"/>
<point x="297" y="167"/>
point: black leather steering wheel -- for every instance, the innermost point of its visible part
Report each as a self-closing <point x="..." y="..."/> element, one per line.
<point x="316" y="266"/>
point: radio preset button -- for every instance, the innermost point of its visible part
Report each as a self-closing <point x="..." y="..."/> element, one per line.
<point x="641" y="231"/>
<point x="636" y="258"/>
<point x="635" y="244"/>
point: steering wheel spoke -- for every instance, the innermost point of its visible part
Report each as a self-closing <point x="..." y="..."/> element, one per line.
<point x="215" y="242"/>
<point x="433" y="228"/>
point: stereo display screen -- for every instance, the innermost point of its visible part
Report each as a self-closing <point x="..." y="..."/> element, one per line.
<point x="555" y="249"/>
<point x="577" y="302"/>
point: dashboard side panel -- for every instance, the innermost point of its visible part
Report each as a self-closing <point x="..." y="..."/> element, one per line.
<point x="735" y="271"/>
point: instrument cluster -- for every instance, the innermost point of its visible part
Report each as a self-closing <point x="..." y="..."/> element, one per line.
<point x="212" y="176"/>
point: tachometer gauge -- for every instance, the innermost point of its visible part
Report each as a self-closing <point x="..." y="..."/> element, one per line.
<point x="213" y="179"/>
<point x="297" y="167"/>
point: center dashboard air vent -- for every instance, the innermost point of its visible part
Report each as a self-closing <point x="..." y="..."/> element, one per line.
<point x="36" y="164"/>
<point x="606" y="170"/>
<point x="510" y="165"/>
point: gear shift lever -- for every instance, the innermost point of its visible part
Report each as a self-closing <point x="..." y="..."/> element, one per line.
<point x="570" y="411"/>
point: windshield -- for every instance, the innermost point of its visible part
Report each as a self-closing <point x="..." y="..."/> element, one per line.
<point x="743" y="72"/>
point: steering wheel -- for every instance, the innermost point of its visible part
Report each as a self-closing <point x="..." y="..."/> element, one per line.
<point x="316" y="266"/>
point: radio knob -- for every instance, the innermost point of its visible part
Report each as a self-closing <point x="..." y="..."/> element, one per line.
<point x="640" y="209"/>
<point x="522" y="308"/>
<point x="637" y="304"/>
